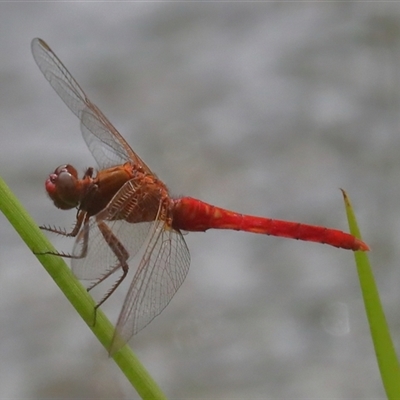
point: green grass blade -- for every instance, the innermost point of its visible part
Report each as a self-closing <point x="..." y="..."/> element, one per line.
<point x="76" y="293"/>
<point x="384" y="349"/>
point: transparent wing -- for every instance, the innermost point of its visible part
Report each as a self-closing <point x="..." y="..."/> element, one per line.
<point x="161" y="272"/>
<point x="104" y="141"/>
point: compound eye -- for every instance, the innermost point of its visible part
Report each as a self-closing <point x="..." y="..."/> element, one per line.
<point x="65" y="181"/>
<point x="63" y="187"/>
<point x="66" y="168"/>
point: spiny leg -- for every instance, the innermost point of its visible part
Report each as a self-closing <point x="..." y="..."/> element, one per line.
<point x="82" y="217"/>
<point x="122" y="255"/>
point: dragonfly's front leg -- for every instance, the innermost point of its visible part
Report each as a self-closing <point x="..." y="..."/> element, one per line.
<point x="122" y="255"/>
<point x="81" y="216"/>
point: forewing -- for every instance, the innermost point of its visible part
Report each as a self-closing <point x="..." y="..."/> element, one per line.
<point x="161" y="272"/>
<point x="59" y="77"/>
<point x="104" y="141"/>
<point x="106" y="150"/>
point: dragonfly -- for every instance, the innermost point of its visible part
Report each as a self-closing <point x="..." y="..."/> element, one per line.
<point x="123" y="209"/>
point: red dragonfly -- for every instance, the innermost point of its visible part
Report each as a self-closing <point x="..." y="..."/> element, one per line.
<point x="124" y="207"/>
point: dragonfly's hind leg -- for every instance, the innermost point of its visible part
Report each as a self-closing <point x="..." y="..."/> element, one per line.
<point x="122" y="255"/>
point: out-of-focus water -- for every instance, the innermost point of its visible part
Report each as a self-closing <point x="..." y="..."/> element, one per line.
<point x="264" y="108"/>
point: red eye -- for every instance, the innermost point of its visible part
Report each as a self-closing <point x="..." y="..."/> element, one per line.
<point x="63" y="187"/>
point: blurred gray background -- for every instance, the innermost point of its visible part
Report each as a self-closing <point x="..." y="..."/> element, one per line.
<point x="263" y="108"/>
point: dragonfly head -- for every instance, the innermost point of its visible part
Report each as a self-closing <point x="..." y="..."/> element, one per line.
<point x="63" y="187"/>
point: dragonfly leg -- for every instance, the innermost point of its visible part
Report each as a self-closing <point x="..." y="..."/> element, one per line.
<point x="82" y="216"/>
<point x="122" y="255"/>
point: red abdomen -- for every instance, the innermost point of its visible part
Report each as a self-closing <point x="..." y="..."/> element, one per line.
<point x="194" y="215"/>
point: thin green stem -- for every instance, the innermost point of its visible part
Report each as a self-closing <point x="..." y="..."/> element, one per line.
<point x="76" y="293"/>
